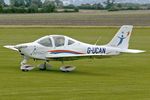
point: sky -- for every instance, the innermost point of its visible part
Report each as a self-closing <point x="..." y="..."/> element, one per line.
<point x="7" y="1"/>
<point x="95" y="1"/>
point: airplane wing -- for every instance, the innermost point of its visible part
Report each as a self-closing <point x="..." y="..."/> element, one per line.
<point x="67" y="57"/>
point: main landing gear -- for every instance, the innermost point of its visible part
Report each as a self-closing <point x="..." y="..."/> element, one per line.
<point x="26" y="67"/>
<point x="67" y="68"/>
<point x="44" y="66"/>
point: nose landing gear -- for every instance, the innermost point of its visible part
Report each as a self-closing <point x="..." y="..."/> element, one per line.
<point x="24" y="66"/>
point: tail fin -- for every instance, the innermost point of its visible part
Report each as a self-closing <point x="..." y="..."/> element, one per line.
<point x="121" y="39"/>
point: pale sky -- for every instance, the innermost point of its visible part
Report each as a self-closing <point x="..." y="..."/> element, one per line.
<point x="89" y="1"/>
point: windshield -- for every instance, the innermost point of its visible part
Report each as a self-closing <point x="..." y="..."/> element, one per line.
<point x="46" y="42"/>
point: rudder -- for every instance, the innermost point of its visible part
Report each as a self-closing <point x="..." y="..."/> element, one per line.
<point x="122" y="37"/>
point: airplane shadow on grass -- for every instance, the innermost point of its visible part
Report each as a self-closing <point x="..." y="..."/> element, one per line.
<point x="75" y="72"/>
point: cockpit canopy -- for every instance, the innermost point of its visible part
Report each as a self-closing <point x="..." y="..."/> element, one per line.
<point x="46" y="42"/>
<point x="55" y="41"/>
<point x="59" y="41"/>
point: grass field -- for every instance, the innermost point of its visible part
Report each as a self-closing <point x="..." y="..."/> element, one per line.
<point x="84" y="18"/>
<point x="124" y="77"/>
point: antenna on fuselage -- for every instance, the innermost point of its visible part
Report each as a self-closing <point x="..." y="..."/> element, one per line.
<point x="97" y="40"/>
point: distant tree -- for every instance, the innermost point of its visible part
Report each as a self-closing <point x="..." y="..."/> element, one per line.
<point x="119" y="5"/>
<point x="71" y="6"/>
<point x="2" y="3"/>
<point x="17" y="10"/>
<point x="48" y="6"/>
<point x="17" y="3"/>
<point x="7" y="10"/>
<point x="58" y="3"/>
<point x="109" y="3"/>
<point x="114" y="8"/>
<point x="76" y="9"/>
<point x="98" y="6"/>
<point x="148" y="6"/>
<point x="86" y="6"/>
<point x="37" y="2"/>
<point x="1" y="8"/>
<point x="28" y="3"/>
<point x="33" y="8"/>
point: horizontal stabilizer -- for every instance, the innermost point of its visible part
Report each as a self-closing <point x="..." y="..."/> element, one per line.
<point x="132" y="51"/>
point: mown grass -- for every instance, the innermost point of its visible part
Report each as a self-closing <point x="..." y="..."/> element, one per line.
<point x="124" y="77"/>
<point x="83" y="18"/>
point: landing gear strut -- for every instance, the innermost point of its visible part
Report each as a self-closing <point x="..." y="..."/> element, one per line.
<point x="44" y="66"/>
<point x="25" y="66"/>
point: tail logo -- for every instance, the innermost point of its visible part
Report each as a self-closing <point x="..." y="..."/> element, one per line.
<point x="122" y="37"/>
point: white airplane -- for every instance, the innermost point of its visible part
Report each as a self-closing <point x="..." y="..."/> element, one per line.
<point x="63" y="48"/>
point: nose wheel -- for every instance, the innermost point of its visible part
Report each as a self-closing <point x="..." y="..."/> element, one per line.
<point x="24" y="66"/>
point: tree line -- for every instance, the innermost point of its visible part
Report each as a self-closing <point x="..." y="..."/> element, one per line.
<point x="111" y="5"/>
<point x="29" y="6"/>
<point x="48" y="6"/>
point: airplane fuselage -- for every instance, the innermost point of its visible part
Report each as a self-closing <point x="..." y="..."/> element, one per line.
<point x="37" y="51"/>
